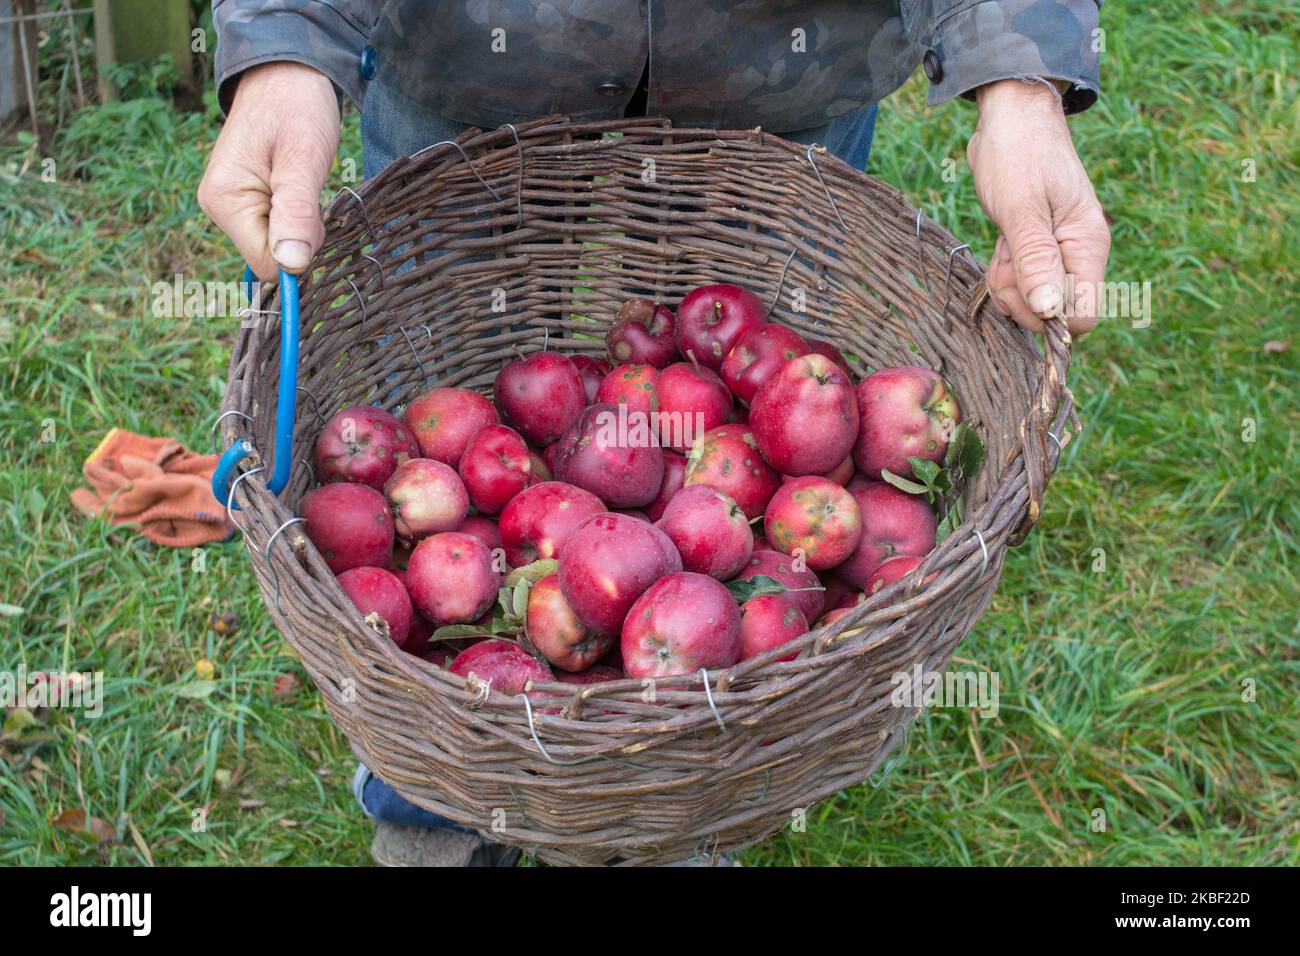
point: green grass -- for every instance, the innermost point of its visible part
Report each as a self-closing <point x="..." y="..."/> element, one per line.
<point x="1121" y="690"/>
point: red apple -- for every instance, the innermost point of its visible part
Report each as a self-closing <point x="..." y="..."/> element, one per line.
<point x="419" y="639"/>
<point x="485" y="529"/>
<point x="426" y="497"/>
<point x="351" y="526"/>
<point x="842" y="474"/>
<point x="816" y="518"/>
<point x="727" y="458"/>
<point x="481" y="647"/>
<point x="757" y="356"/>
<point x="606" y="564"/>
<point x="709" y="530"/>
<point x="496" y="466"/>
<point x="805" y="416"/>
<point x="451" y="579"/>
<point x="831" y="352"/>
<point x="682" y="623"/>
<point x="806" y="588"/>
<point x="768" y="621"/>
<point x="711" y="318"/>
<point x="381" y="598"/>
<point x="643" y="334"/>
<point x="537" y="521"/>
<point x="505" y="671"/>
<point x="895" y="569"/>
<point x="592" y="371"/>
<point x="633" y="387"/>
<point x="692" y="400"/>
<point x="830" y="617"/>
<point x="612" y="457"/>
<point x="595" y="674"/>
<point x="540" y="395"/>
<point x="674" y="481"/>
<point x="362" y="444"/>
<point x="445" y="419"/>
<point x="556" y="631"/>
<point x="906" y="411"/>
<point x="893" y="523"/>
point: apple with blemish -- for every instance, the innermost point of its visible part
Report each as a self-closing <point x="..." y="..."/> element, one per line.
<point x="893" y="523"/>
<point x="727" y="458"/>
<point x="712" y="318"/>
<point x="803" y="588"/>
<point x="644" y="334"/>
<point x="769" y="621"/>
<point x="906" y="412"/>
<point x="814" y="517"/>
<point x="505" y="671"/>
<point x="613" y="458"/>
<point x="445" y="419"/>
<point x="682" y="623"/>
<point x="632" y="387"/>
<point x="362" y="444"/>
<point x="451" y="578"/>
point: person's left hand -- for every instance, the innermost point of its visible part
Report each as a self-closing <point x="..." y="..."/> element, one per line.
<point x="1030" y="182"/>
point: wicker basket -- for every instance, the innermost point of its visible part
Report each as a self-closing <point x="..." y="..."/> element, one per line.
<point x="566" y="221"/>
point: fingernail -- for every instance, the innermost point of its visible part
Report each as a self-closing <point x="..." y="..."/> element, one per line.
<point x="1045" y="300"/>
<point x="292" y="253"/>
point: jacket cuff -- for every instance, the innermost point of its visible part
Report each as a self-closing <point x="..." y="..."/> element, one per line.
<point x="977" y="43"/>
<point x="318" y="35"/>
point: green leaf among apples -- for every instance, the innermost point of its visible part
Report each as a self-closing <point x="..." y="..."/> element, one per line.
<point x="945" y="485"/>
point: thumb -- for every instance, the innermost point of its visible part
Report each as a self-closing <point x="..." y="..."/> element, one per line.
<point x="295" y="230"/>
<point x="1036" y="258"/>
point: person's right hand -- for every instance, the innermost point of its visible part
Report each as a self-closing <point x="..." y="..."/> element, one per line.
<point x="264" y="177"/>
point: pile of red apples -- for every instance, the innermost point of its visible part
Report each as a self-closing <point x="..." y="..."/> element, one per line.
<point x="713" y="447"/>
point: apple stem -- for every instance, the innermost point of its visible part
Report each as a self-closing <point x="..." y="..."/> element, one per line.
<point x="690" y="354"/>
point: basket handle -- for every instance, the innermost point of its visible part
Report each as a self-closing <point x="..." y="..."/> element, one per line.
<point x="286" y="405"/>
<point x="1042" y="447"/>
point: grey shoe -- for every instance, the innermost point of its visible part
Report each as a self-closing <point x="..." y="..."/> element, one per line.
<point x="419" y="846"/>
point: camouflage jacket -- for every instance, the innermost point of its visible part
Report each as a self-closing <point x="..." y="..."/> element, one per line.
<point x="784" y="65"/>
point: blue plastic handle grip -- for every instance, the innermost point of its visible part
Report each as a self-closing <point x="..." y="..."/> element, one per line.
<point x="286" y="406"/>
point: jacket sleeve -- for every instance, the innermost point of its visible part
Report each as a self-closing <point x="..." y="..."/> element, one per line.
<point x="973" y="42"/>
<point x="328" y="35"/>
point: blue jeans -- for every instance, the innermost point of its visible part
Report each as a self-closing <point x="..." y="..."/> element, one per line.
<point x="392" y="126"/>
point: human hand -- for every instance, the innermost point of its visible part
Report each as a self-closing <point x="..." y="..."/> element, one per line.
<point x="1033" y="186"/>
<point x="264" y="177"/>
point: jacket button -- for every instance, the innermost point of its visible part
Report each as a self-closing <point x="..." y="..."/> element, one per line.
<point x="611" y="88"/>
<point x="933" y="68"/>
<point x="368" y="63"/>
